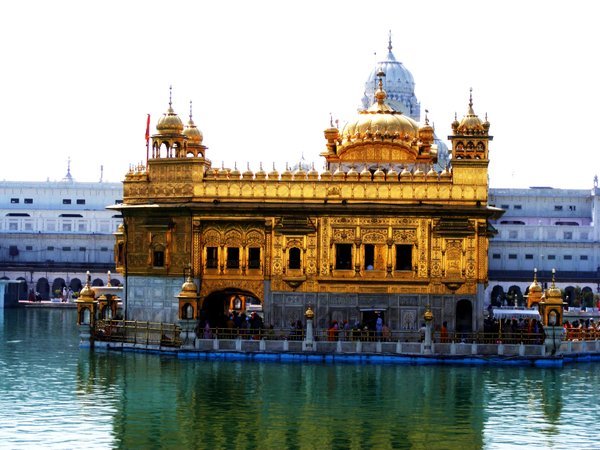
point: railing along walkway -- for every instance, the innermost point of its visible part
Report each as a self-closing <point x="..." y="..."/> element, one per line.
<point x="167" y="334"/>
<point x="136" y="332"/>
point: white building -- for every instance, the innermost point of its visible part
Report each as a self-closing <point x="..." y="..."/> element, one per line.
<point x="52" y="232"/>
<point x="545" y="228"/>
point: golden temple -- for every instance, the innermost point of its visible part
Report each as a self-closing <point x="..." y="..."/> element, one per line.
<point x="378" y="231"/>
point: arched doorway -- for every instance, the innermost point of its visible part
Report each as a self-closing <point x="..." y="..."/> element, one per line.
<point x="464" y="316"/>
<point x="498" y="296"/>
<point x="75" y="285"/>
<point x="218" y="306"/>
<point x="57" y="286"/>
<point x="570" y="296"/>
<point x="514" y="296"/>
<point x="43" y="288"/>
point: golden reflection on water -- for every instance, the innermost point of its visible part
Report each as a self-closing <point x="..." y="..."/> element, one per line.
<point x="66" y="397"/>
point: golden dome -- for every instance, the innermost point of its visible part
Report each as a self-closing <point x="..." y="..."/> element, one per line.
<point x="426" y="131"/>
<point x="379" y="125"/>
<point x="189" y="289"/>
<point x="470" y="123"/>
<point x="87" y="293"/>
<point x="553" y="294"/>
<point x="192" y="132"/>
<point x="405" y="172"/>
<point x="535" y="286"/>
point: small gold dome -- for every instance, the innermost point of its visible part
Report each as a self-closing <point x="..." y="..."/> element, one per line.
<point x="312" y="173"/>
<point x="392" y="174"/>
<point x="234" y="173"/>
<point x="553" y="293"/>
<point x="189" y="289"/>
<point x="470" y="123"/>
<point x="535" y="286"/>
<point x="339" y="174"/>
<point x="428" y="315"/>
<point x="309" y="314"/>
<point x="192" y="132"/>
<point x="405" y="172"/>
<point x="379" y="175"/>
<point x="274" y="174"/>
<point x="287" y="173"/>
<point x="169" y="123"/>
<point x="248" y="174"/>
<point x="87" y="294"/>
<point x="326" y="174"/>
<point x="365" y="174"/>
<point x="352" y="174"/>
<point x="260" y="174"/>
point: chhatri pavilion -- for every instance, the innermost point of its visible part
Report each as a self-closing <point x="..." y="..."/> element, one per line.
<point x="384" y="229"/>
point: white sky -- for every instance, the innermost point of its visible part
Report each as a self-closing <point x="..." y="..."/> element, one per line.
<point x="77" y="79"/>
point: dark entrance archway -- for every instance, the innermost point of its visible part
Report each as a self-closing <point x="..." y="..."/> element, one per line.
<point x="498" y="296"/>
<point x="464" y="316"/>
<point x="218" y="305"/>
<point x="43" y="288"/>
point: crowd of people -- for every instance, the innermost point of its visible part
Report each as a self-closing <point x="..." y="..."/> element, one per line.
<point x="582" y="330"/>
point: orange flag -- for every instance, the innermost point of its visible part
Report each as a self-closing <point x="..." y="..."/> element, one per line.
<point x="148" y="128"/>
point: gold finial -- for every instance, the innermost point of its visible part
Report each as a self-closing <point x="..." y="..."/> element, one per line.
<point x="108" y="282"/>
<point x="390" y="42"/>
<point x="330" y="120"/>
<point x="309" y="314"/>
<point x="426" y="118"/>
<point x="380" y="95"/>
<point x="428" y="315"/>
<point x="470" y="97"/>
<point x="535" y="274"/>
<point x="553" y="276"/>
<point x="190" y="110"/>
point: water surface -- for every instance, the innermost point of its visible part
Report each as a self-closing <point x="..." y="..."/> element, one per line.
<point x="55" y="395"/>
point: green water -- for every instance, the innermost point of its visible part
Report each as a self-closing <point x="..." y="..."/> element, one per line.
<point x="55" y="395"/>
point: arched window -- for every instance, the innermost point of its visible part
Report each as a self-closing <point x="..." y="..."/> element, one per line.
<point x="84" y="316"/>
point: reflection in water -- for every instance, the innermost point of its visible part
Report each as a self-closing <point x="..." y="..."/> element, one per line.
<point x="67" y="397"/>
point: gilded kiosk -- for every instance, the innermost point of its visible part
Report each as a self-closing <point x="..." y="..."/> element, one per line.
<point x="379" y="231"/>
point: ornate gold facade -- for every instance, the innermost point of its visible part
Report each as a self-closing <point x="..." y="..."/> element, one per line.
<point x="378" y="225"/>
